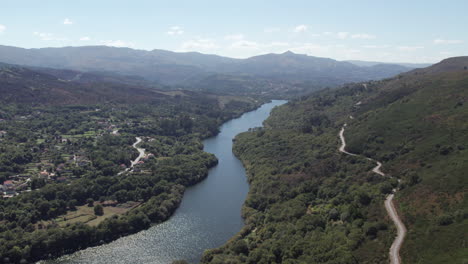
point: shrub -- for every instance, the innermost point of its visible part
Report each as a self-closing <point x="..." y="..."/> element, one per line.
<point x="444" y="220"/>
<point x="445" y="150"/>
<point x="98" y="210"/>
<point x="240" y="247"/>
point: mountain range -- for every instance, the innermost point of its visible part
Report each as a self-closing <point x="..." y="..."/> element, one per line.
<point x="175" y="68"/>
<point x="373" y="63"/>
<point x="38" y="86"/>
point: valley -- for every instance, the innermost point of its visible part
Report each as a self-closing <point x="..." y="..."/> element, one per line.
<point x="209" y="213"/>
<point x="73" y="175"/>
<point x="332" y="205"/>
<point x="121" y="155"/>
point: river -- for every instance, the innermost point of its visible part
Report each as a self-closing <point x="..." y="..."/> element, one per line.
<point x="210" y="212"/>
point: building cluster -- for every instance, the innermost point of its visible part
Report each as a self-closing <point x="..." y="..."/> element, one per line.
<point x="14" y="185"/>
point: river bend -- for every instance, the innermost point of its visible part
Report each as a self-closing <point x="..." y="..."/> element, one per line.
<point x="210" y="212"/>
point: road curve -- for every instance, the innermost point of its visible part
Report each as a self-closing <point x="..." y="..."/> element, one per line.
<point x="141" y="152"/>
<point x="343" y="142"/>
<point x="401" y="230"/>
<point x="394" y="252"/>
<point x="377" y="168"/>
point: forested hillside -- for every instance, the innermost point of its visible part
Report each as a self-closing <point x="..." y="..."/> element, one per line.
<point x="67" y="176"/>
<point x="309" y="203"/>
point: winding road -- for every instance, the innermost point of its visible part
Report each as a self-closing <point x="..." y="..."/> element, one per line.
<point x="394" y="252"/>
<point x="141" y="152"/>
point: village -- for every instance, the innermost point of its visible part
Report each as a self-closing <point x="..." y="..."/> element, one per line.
<point x="63" y="160"/>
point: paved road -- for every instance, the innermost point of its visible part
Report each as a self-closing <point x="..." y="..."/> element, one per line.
<point x="389" y="206"/>
<point x="140" y="150"/>
<point x="141" y="155"/>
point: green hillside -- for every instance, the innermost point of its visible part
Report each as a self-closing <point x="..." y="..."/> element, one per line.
<point x="69" y="177"/>
<point x="309" y="203"/>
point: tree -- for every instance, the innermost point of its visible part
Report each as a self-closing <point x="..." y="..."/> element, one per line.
<point x="72" y="204"/>
<point x="90" y="202"/>
<point x="370" y="229"/>
<point x="43" y="207"/>
<point x="386" y="188"/>
<point x="240" y="247"/>
<point x="121" y="196"/>
<point x="37" y="183"/>
<point x="139" y="221"/>
<point x="333" y="214"/>
<point x="98" y="209"/>
<point x="364" y="198"/>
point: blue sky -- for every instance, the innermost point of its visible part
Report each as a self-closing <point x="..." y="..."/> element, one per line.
<point x="391" y="31"/>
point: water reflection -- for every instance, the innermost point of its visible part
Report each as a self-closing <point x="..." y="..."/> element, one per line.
<point x="208" y="216"/>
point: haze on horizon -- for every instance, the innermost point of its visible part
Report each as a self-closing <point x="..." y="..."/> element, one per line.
<point x="400" y="31"/>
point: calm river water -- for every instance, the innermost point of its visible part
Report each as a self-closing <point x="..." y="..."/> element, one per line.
<point x="210" y="212"/>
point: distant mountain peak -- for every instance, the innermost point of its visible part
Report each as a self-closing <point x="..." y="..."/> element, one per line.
<point x="169" y="68"/>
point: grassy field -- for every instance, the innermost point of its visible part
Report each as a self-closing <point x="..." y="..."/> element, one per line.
<point x="85" y="214"/>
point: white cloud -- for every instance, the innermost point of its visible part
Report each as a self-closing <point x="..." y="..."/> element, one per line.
<point x="342" y="35"/>
<point x="277" y="44"/>
<point x="271" y="30"/>
<point x="345" y="35"/>
<point x="245" y="44"/>
<point x="48" y="36"/>
<point x="447" y="41"/>
<point x="199" y="44"/>
<point x="255" y="48"/>
<point x="234" y="37"/>
<point x="67" y="21"/>
<point x="300" y="29"/>
<point x="376" y="46"/>
<point x="85" y="39"/>
<point x="175" y="30"/>
<point x="43" y="36"/>
<point x="117" y="43"/>
<point x="2" y="28"/>
<point x="363" y="36"/>
<point x="409" y="48"/>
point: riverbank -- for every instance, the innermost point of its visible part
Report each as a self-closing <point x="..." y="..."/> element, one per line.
<point x="307" y="203"/>
<point x="208" y="215"/>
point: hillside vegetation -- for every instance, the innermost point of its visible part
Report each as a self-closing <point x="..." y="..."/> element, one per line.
<point x="308" y="203"/>
<point x="66" y="179"/>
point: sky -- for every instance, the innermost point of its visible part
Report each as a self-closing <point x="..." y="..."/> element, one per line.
<point x="373" y="30"/>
